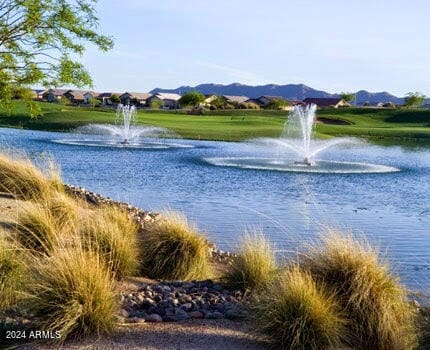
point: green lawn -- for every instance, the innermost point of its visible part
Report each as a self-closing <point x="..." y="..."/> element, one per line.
<point x="235" y="125"/>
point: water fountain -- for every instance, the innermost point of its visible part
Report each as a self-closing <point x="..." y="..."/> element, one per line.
<point x="125" y="133"/>
<point x="297" y="141"/>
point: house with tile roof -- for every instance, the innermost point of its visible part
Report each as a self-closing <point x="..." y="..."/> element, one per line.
<point x="327" y="102"/>
<point x="139" y="99"/>
<point x="168" y="100"/>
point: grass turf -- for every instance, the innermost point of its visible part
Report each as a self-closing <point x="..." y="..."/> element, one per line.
<point x="235" y="125"/>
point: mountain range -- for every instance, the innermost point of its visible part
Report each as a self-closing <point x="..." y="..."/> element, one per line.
<point x="288" y="91"/>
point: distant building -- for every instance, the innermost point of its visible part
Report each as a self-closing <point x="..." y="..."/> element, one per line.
<point x="90" y="95"/>
<point x="168" y="100"/>
<point x="105" y="97"/>
<point x="209" y="99"/>
<point x="235" y="99"/>
<point x="54" y="95"/>
<point x="38" y="94"/>
<point x="265" y="100"/>
<point x="75" y="96"/>
<point x="327" y="102"/>
<point x="139" y="99"/>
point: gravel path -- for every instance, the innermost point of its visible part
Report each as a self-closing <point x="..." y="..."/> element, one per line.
<point x="186" y="335"/>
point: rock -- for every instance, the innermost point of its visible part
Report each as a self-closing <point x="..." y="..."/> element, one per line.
<point x="135" y="320"/>
<point x="186" y="306"/>
<point x="181" y="315"/>
<point x="154" y="318"/>
<point x="169" y="318"/>
<point x="123" y="313"/>
<point x="214" y="315"/>
<point x="196" y="314"/>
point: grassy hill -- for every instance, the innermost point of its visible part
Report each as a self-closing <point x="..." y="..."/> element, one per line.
<point x="235" y="125"/>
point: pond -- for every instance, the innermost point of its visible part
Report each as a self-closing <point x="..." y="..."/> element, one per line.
<point x="392" y="209"/>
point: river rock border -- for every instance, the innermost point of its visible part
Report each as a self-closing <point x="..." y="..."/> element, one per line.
<point x="178" y="301"/>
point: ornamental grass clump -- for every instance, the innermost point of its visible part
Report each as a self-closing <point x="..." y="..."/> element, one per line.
<point x="37" y="229"/>
<point x="12" y="272"/>
<point x="255" y="265"/>
<point x="22" y="179"/>
<point x="65" y="210"/>
<point x="113" y="235"/>
<point x="71" y="293"/>
<point x="173" y="249"/>
<point x="297" y="313"/>
<point x="375" y="303"/>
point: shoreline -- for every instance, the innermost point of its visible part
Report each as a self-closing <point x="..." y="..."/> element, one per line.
<point x="140" y="215"/>
<point x="419" y="298"/>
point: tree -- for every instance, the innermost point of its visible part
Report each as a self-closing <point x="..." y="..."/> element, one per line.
<point x="414" y="99"/>
<point x="115" y="99"/>
<point x="277" y="104"/>
<point x="94" y="102"/>
<point x="192" y="98"/>
<point x="156" y="104"/>
<point x="64" y="101"/>
<point x="41" y="42"/>
<point x="347" y="96"/>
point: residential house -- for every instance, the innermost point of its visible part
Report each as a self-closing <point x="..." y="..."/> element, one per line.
<point x="54" y="95"/>
<point x="327" y="102"/>
<point x="139" y="99"/>
<point x="168" y="100"/>
<point x="263" y="101"/>
<point x="105" y="97"/>
<point x="75" y="96"/>
<point x="235" y="99"/>
<point x="209" y="99"/>
<point x="90" y="95"/>
<point x="38" y="94"/>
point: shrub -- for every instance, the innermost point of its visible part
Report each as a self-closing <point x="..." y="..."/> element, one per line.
<point x="296" y="313"/>
<point x="12" y="272"/>
<point x="113" y="234"/>
<point x="37" y="229"/>
<point x="25" y="181"/>
<point x="72" y="292"/>
<point x="379" y="314"/>
<point x="172" y="249"/>
<point x="255" y="265"/>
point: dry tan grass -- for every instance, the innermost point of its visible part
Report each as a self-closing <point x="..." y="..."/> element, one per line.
<point x="12" y="271"/>
<point x="297" y="313"/>
<point x="37" y="229"/>
<point x="21" y="178"/>
<point x="255" y="265"/>
<point x="379" y="314"/>
<point x="72" y="292"/>
<point x="171" y="248"/>
<point x="113" y="234"/>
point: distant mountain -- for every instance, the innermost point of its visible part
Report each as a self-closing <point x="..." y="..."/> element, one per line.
<point x="289" y="91"/>
<point x="363" y="96"/>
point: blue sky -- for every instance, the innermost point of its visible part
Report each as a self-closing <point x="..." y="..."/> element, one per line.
<point x="332" y="45"/>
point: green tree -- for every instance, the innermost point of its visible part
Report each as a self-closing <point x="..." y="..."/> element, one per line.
<point x="41" y="42"/>
<point x="115" y="99"/>
<point x="156" y="104"/>
<point x="63" y="100"/>
<point x="277" y="104"/>
<point x="347" y="96"/>
<point x="414" y="99"/>
<point x="192" y="98"/>
<point x="94" y="102"/>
